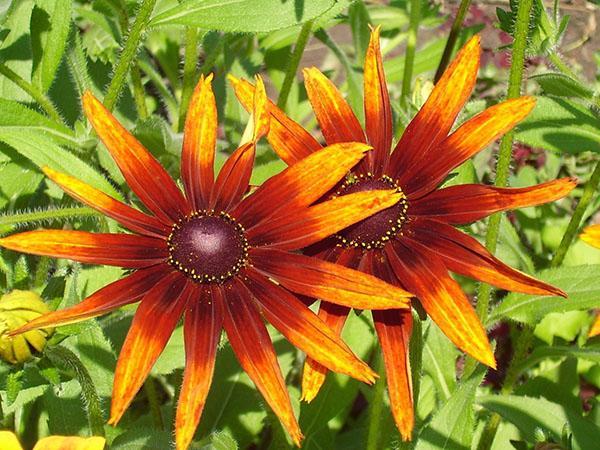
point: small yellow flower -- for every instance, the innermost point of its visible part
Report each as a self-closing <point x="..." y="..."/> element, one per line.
<point x="8" y="441"/>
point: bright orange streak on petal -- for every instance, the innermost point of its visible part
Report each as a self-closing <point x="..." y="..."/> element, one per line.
<point x="154" y="321"/>
<point x="126" y="215"/>
<point x="471" y="137"/>
<point x="300" y="184"/>
<point x="202" y="330"/>
<point x="260" y="111"/>
<point x="288" y="138"/>
<point x="591" y="235"/>
<point x="327" y="281"/>
<point x="304" y="329"/>
<point x="199" y="143"/>
<point x="378" y="112"/>
<point x="421" y="271"/>
<point x="252" y="345"/>
<point x="124" y="250"/>
<point x="336" y="119"/>
<point x="299" y="229"/>
<point x="119" y="293"/>
<point x="595" y="330"/>
<point x="433" y="122"/>
<point x="144" y="174"/>
<point x="467" y="203"/>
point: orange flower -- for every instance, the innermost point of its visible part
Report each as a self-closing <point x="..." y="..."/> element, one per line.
<point x="211" y="255"/>
<point x="10" y="442"/>
<point x="591" y="235"/>
<point x="414" y="243"/>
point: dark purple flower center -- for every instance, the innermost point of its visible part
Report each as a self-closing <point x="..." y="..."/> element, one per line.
<point x="208" y="247"/>
<point x="377" y="230"/>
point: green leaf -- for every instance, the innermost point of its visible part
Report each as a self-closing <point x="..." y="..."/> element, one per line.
<point x="217" y="441"/>
<point x="146" y="438"/>
<point x="560" y="351"/>
<point x="452" y="427"/>
<point x="242" y="15"/>
<point x="562" y="85"/>
<point x="530" y="414"/>
<point x="560" y="125"/>
<point x="439" y="361"/>
<point x="50" y="28"/>
<point x="581" y="283"/>
<point x="14" y="384"/>
<point x="42" y="152"/>
<point x="358" y="16"/>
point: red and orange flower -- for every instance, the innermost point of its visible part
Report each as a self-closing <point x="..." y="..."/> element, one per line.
<point x="591" y="235"/>
<point x="218" y="257"/>
<point x="414" y="243"/>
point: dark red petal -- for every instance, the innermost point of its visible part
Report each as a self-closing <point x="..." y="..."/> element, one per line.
<point x="124" y="250"/>
<point x="144" y="174"/>
<point x="233" y="179"/>
<point x="467" y="203"/>
<point x="152" y="325"/>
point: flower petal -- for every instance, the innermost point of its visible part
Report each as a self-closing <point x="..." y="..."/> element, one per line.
<point x="67" y="443"/>
<point x="471" y="137"/>
<point x="463" y="254"/>
<point x="202" y="331"/>
<point x="591" y="235"/>
<point x="300" y="184"/>
<point x="595" y="330"/>
<point x="119" y="293"/>
<point x="126" y="215"/>
<point x="154" y="321"/>
<point x="304" y="329"/>
<point x="420" y="270"/>
<point x="433" y="122"/>
<point x="309" y="225"/>
<point x="199" y="143"/>
<point x="467" y="203"/>
<point x="234" y="177"/>
<point x="330" y="282"/>
<point x="252" y="345"/>
<point x="288" y="138"/>
<point x="124" y="250"/>
<point x="378" y="112"/>
<point x="144" y="174"/>
<point x="336" y="119"/>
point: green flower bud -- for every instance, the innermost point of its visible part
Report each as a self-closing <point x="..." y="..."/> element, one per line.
<point x="16" y="309"/>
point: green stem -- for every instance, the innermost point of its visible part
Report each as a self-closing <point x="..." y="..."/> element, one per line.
<point x="295" y="58"/>
<point x="62" y="356"/>
<point x="190" y="63"/>
<point x="139" y="95"/>
<point x="411" y="46"/>
<point x="130" y="49"/>
<point x="376" y="407"/>
<point x="33" y="92"/>
<point x="588" y="193"/>
<point x="557" y="62"/>
<point x="152" y="396"/>
<point x="505" y="153"/>
<point x="46" y="215"/>
<point x="452" y="37"/>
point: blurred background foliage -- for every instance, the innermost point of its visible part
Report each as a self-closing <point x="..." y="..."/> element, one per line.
<point x="144" y="58"/>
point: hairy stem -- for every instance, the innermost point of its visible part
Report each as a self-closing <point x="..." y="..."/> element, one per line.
<point x="33" y="92"/>
<point x="452" y="37"/>
<point x="190" y="62"/>
<point x="411" y="45"/>
<point x="292" y="68"/>
<point x="376" y="406"/>
<point x="130" y="49"/>
<point x="46" y="215"/>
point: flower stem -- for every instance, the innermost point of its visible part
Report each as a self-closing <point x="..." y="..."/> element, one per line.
<point x="452" y="37"/>
<point x="292" y="68"/>
<point x="64" y="357"/>
<point x="33" y="91"/>
<point x="130" y="49"/>
<point x="46" y="215"/>
<point x="376" y="406"/>
<point x="411" y="44"/>
<point x="189" y="72"/>
<point x="505" y="153"/>
<point x="588" y="193"/>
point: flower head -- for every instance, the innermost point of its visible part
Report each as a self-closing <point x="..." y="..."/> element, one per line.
<point x="414" y="243"/>
<point x="10" y="442"/>
<point x="211" y="254"/>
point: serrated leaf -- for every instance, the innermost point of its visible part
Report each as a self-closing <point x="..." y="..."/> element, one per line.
<point x="52" y="33"/>
<point x="216" y="441"/>
<point x="591" y="354"/>
<point x="439" y="361"/>
<point x="560" y="125"/>
<point x="14" y="384"/>
<point x="562" y="85"/>
<point x="581" y="283"/>
<point x="452" y="427"/>
<point x="250" y="16"/>
<point x="529" y="414"/>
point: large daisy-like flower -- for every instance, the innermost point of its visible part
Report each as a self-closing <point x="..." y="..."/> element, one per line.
<point x="591" y="235"/>
<point x="414" y="243"/>
<point x="218" y="258"/>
